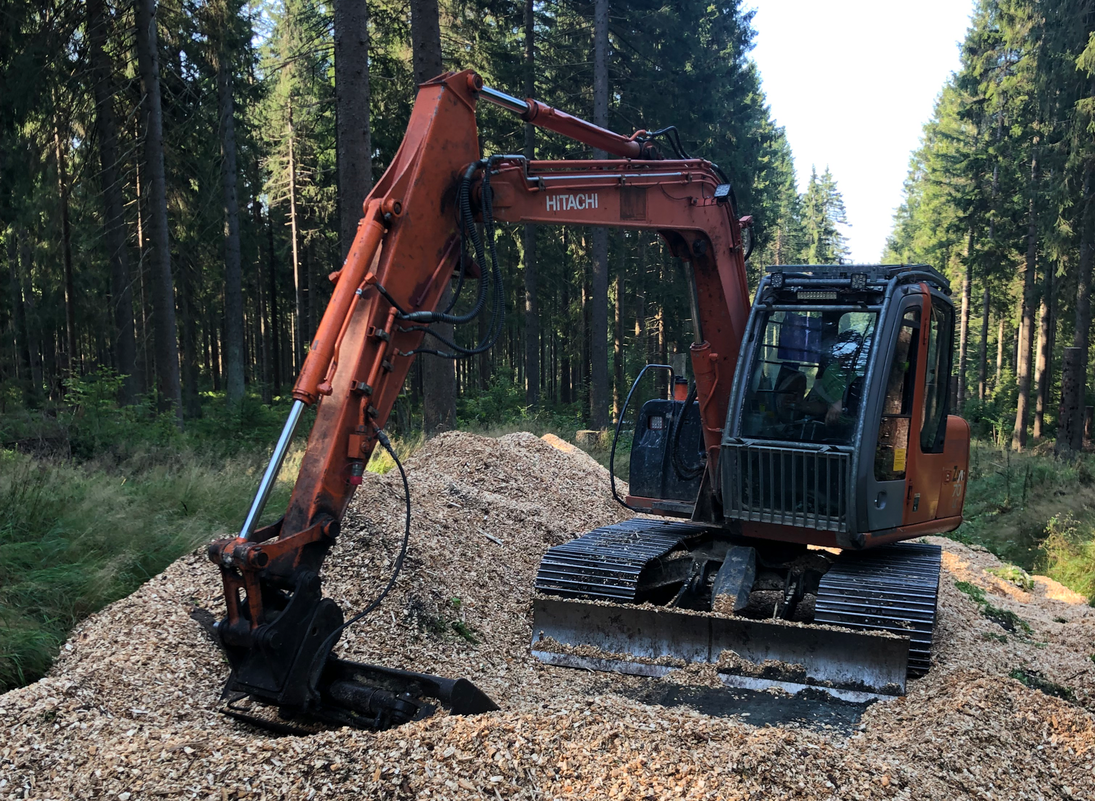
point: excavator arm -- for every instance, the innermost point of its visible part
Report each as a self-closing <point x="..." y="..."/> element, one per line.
<point x="279" y="631"/>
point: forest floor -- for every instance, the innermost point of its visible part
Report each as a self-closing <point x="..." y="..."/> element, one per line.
<point x="129" y="711"/>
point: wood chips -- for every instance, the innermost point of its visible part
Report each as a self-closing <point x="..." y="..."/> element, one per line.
<point x="129" y="710"/>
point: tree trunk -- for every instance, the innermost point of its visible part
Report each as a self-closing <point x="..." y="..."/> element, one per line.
<point x="983" y="355"/>
<point x="1043" y="363"/>
<point x="661" y="379"/>
<point x="1026" y="327"/>
<point x="19" y="318"/>
<point x="618" y="341"/>
<point x="438" y="375"/>
<point x="1070" y="415"/>
<point x="233" y="269"/>
<point x="999" y="354"/>
<point x="641" y="335"/>
<point x="298" y="297"/>
<point x="106" y="129"/>
<point x="598" y="389"/>
<point x="71" y="355"/>
<point x="163" y="289"/>
<point x="1073" y="404"/>
<point x="354" y="147"/>
<point x="188" y="311"/>
<point x="147" y="361"/>
<point x="34" y="329"/>
<point x="566" y="343"/>
<point x="532" y="303"/>
<point x="262" y="327"/>
<point x="583" y="377"/>
<point x="964" y="322"/>
<point x="425" y="39"/>
<point x="272" y="290"/>
<point x="484" y="358"/>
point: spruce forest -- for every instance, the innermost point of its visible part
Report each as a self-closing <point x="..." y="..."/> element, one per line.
<point x="178" y="179"/>
<point x="175" y="195"/>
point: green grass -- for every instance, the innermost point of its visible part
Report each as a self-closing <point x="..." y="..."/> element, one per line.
<point x="1034" y="511"/>
<point x="94" y="500"/>
<point x="973" y="591"/>
<point x="1069" y="550"/>
<point x="74" y="537"/>
<point x="1001" y="617"/>
<point x="1015" y="575"/>
<point x="1036" y="681"/>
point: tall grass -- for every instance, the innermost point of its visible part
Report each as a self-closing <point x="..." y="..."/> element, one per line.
<point x="1070" y="553"/>
<point x="1033" y="510"/>
<point x="95" y="499"/>
<point x="74" y="537"/>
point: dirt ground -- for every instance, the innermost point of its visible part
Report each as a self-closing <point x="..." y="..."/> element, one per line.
<point x="130" y="709"/>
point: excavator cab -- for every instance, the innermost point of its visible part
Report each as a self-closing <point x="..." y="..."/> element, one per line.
<point x="838" y="432"/>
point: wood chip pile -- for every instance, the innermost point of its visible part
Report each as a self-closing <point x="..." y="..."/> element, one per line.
<point x="129" y="710"/>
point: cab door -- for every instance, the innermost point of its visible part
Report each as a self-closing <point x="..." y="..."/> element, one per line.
<point x="927" y="461"/>
<point x="897" y="417"/>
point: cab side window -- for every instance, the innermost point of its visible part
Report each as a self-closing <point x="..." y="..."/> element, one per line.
<point x="937" y="378"/>
<point x="897" y="406"/>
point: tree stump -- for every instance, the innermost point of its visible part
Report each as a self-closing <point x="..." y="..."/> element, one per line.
<point x="588" y="437"/>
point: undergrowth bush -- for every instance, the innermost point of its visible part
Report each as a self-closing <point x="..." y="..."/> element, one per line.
<point x="1069" y="550"/>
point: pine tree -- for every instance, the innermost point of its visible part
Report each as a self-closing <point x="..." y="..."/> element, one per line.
<point x="822" y="213"/>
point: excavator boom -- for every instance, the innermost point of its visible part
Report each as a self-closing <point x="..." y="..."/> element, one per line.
<point x="278" y="632"/>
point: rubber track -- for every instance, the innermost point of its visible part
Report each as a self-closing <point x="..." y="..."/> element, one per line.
<point x="892" y="588"/>
<point x="605" y="564"/>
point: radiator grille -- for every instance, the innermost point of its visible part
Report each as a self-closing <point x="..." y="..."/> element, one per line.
<point x="787" y="486"/>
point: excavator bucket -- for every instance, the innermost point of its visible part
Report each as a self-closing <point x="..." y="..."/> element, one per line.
<point x="623" y="598"/>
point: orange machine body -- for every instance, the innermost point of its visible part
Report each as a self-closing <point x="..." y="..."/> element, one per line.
<point x="405" y="253"/>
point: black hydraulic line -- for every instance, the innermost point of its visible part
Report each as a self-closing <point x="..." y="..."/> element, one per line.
<point x="673" y="137"/>
<point x="332" y="638"/>
<point x="459" y="283"/>
<point x="498" y="306"/>
<point x="685" y="472"/>
<point x="467" y="221"/>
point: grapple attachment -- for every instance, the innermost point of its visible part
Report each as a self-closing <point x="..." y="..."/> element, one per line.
<point x="286" y="661"/>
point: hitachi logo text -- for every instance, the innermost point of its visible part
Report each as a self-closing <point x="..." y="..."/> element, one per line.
<point x="572" y="202"/>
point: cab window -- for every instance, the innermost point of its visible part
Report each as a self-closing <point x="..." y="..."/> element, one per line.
<point x="892" y="452"/>
<point x="937" y="378"/>
<point x="807" y="376"/>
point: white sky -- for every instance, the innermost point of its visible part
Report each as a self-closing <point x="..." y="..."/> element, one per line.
<point x="853" y="82"/>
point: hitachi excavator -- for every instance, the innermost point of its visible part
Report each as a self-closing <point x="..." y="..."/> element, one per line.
<point x="775" y="490"/>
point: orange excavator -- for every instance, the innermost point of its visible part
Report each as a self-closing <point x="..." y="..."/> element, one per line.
<point x="776" y="489"/>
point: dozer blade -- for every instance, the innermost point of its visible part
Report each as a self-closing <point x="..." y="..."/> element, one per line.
<point x="652" y="641"/>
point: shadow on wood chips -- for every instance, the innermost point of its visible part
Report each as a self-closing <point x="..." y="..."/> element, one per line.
<point x="811" y="709"/>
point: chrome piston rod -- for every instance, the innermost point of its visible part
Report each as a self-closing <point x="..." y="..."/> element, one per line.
<point x="272" y="470"/>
